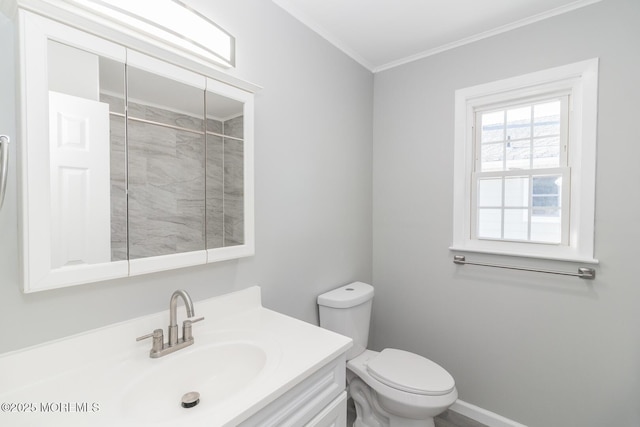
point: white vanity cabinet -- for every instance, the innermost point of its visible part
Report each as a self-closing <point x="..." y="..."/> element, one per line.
<point x="333" y="415"/>
<point x="253" y="367"/>
<point x="128" y="164"/>
<point x="318" y="401"/>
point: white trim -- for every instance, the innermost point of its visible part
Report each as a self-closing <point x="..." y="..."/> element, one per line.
<point x="486" y="34"/>
<point x="166" y="262"/>
<point x="482" y="415"/>
<point x="290" y="7"/>
<point x="582" y="79"/>
<point x="230" y="252"/>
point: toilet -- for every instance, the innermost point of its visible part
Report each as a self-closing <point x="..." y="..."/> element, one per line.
<point x="390" y="388"/>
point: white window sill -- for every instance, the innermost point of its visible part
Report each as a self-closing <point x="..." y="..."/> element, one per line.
<point x="525" y="254"/>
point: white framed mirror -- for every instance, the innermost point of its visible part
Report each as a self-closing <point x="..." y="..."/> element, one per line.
<point x="130" y="164"/>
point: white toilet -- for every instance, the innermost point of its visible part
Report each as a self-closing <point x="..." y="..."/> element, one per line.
<point x="391" y="388"/>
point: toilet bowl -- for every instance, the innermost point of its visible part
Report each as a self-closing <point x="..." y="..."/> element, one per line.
<point x="391" y="388"/>
<point x="404" y="401"/>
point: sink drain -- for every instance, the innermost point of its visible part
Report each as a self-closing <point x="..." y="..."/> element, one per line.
<point x="191" y="399"/>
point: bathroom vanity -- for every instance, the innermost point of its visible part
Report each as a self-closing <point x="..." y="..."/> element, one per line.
<point x="251" y="366"/>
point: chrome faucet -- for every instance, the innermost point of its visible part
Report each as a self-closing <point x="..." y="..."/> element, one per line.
<point x="159" y="348"/>
<point x="173" y="316"/>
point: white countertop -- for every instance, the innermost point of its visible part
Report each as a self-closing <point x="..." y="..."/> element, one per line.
<point x="98" y="378"/>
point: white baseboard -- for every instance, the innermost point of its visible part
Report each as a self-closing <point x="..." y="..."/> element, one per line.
<point x="482" y="415"/>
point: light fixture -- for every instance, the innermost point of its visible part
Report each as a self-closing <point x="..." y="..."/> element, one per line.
<point x="171" y="22"/>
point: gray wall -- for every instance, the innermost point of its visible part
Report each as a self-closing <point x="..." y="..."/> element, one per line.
<point x="313" y="135"/>
<point x="542" y="350"/>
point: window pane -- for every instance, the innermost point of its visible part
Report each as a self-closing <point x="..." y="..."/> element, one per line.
<point x="518" y="155"/>
<point x="490" y="192"/>
<point x="489" y="223"/>
<point x="519" y="123"/>
<point x="546" y="152"/>
<point x="546" y="211"/>
<point x="545" y="201"/>
<point x="492" y="156"/>
<point x="516" y="192"/>
<point x="547" y="198"/>
<point x="493" y="127"/>
<point x="546" y="119"/>
<point x="546" y="228"/>
<point x="547" y="185"/>
<point x="516" y="224"/>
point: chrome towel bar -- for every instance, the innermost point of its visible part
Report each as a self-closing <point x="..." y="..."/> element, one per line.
<point x="583" y="272"/>
<point x="4" y="165"/>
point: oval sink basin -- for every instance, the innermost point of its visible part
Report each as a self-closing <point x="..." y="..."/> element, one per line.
<point x="217" y="371"/>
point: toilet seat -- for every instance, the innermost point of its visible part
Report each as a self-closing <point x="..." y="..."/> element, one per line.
<point x="410" y="373"/>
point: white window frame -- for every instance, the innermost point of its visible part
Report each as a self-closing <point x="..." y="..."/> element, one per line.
<point x="580" y="81"/>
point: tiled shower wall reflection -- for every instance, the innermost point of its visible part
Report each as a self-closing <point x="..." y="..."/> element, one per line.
<point x="233" y="182"/>
<point x="169" y="174"/>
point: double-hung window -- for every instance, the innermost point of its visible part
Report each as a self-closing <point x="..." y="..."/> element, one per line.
<point x="520" y="177"/>
<point x="525" y="165"/>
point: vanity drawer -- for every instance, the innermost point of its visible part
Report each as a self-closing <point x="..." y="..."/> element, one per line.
<point x="334" y="415"/>
<point x="302" y="405"/>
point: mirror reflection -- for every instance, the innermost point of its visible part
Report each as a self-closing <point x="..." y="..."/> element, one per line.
<point x="225" y="171"/>
<point x="86" y="157"/>
<point x="166" y="160"/>
<point x="165" y="175"/>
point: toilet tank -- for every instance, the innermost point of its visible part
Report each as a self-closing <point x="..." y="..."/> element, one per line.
<point x="347" y="311"/>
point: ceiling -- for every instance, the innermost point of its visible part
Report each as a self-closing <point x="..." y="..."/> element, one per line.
<point x="382" y="34"/>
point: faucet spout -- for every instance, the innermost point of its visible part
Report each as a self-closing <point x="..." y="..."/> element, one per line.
<point x="173" y="316"/>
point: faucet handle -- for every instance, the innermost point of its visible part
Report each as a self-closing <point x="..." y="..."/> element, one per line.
<point x="158" y="338"/>
<point x="187" y="334"/>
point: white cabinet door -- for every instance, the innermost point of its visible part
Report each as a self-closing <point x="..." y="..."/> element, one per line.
<point x="64" y="163"/>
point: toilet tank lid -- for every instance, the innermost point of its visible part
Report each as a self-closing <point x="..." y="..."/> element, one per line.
<point x="347" y="296"/>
